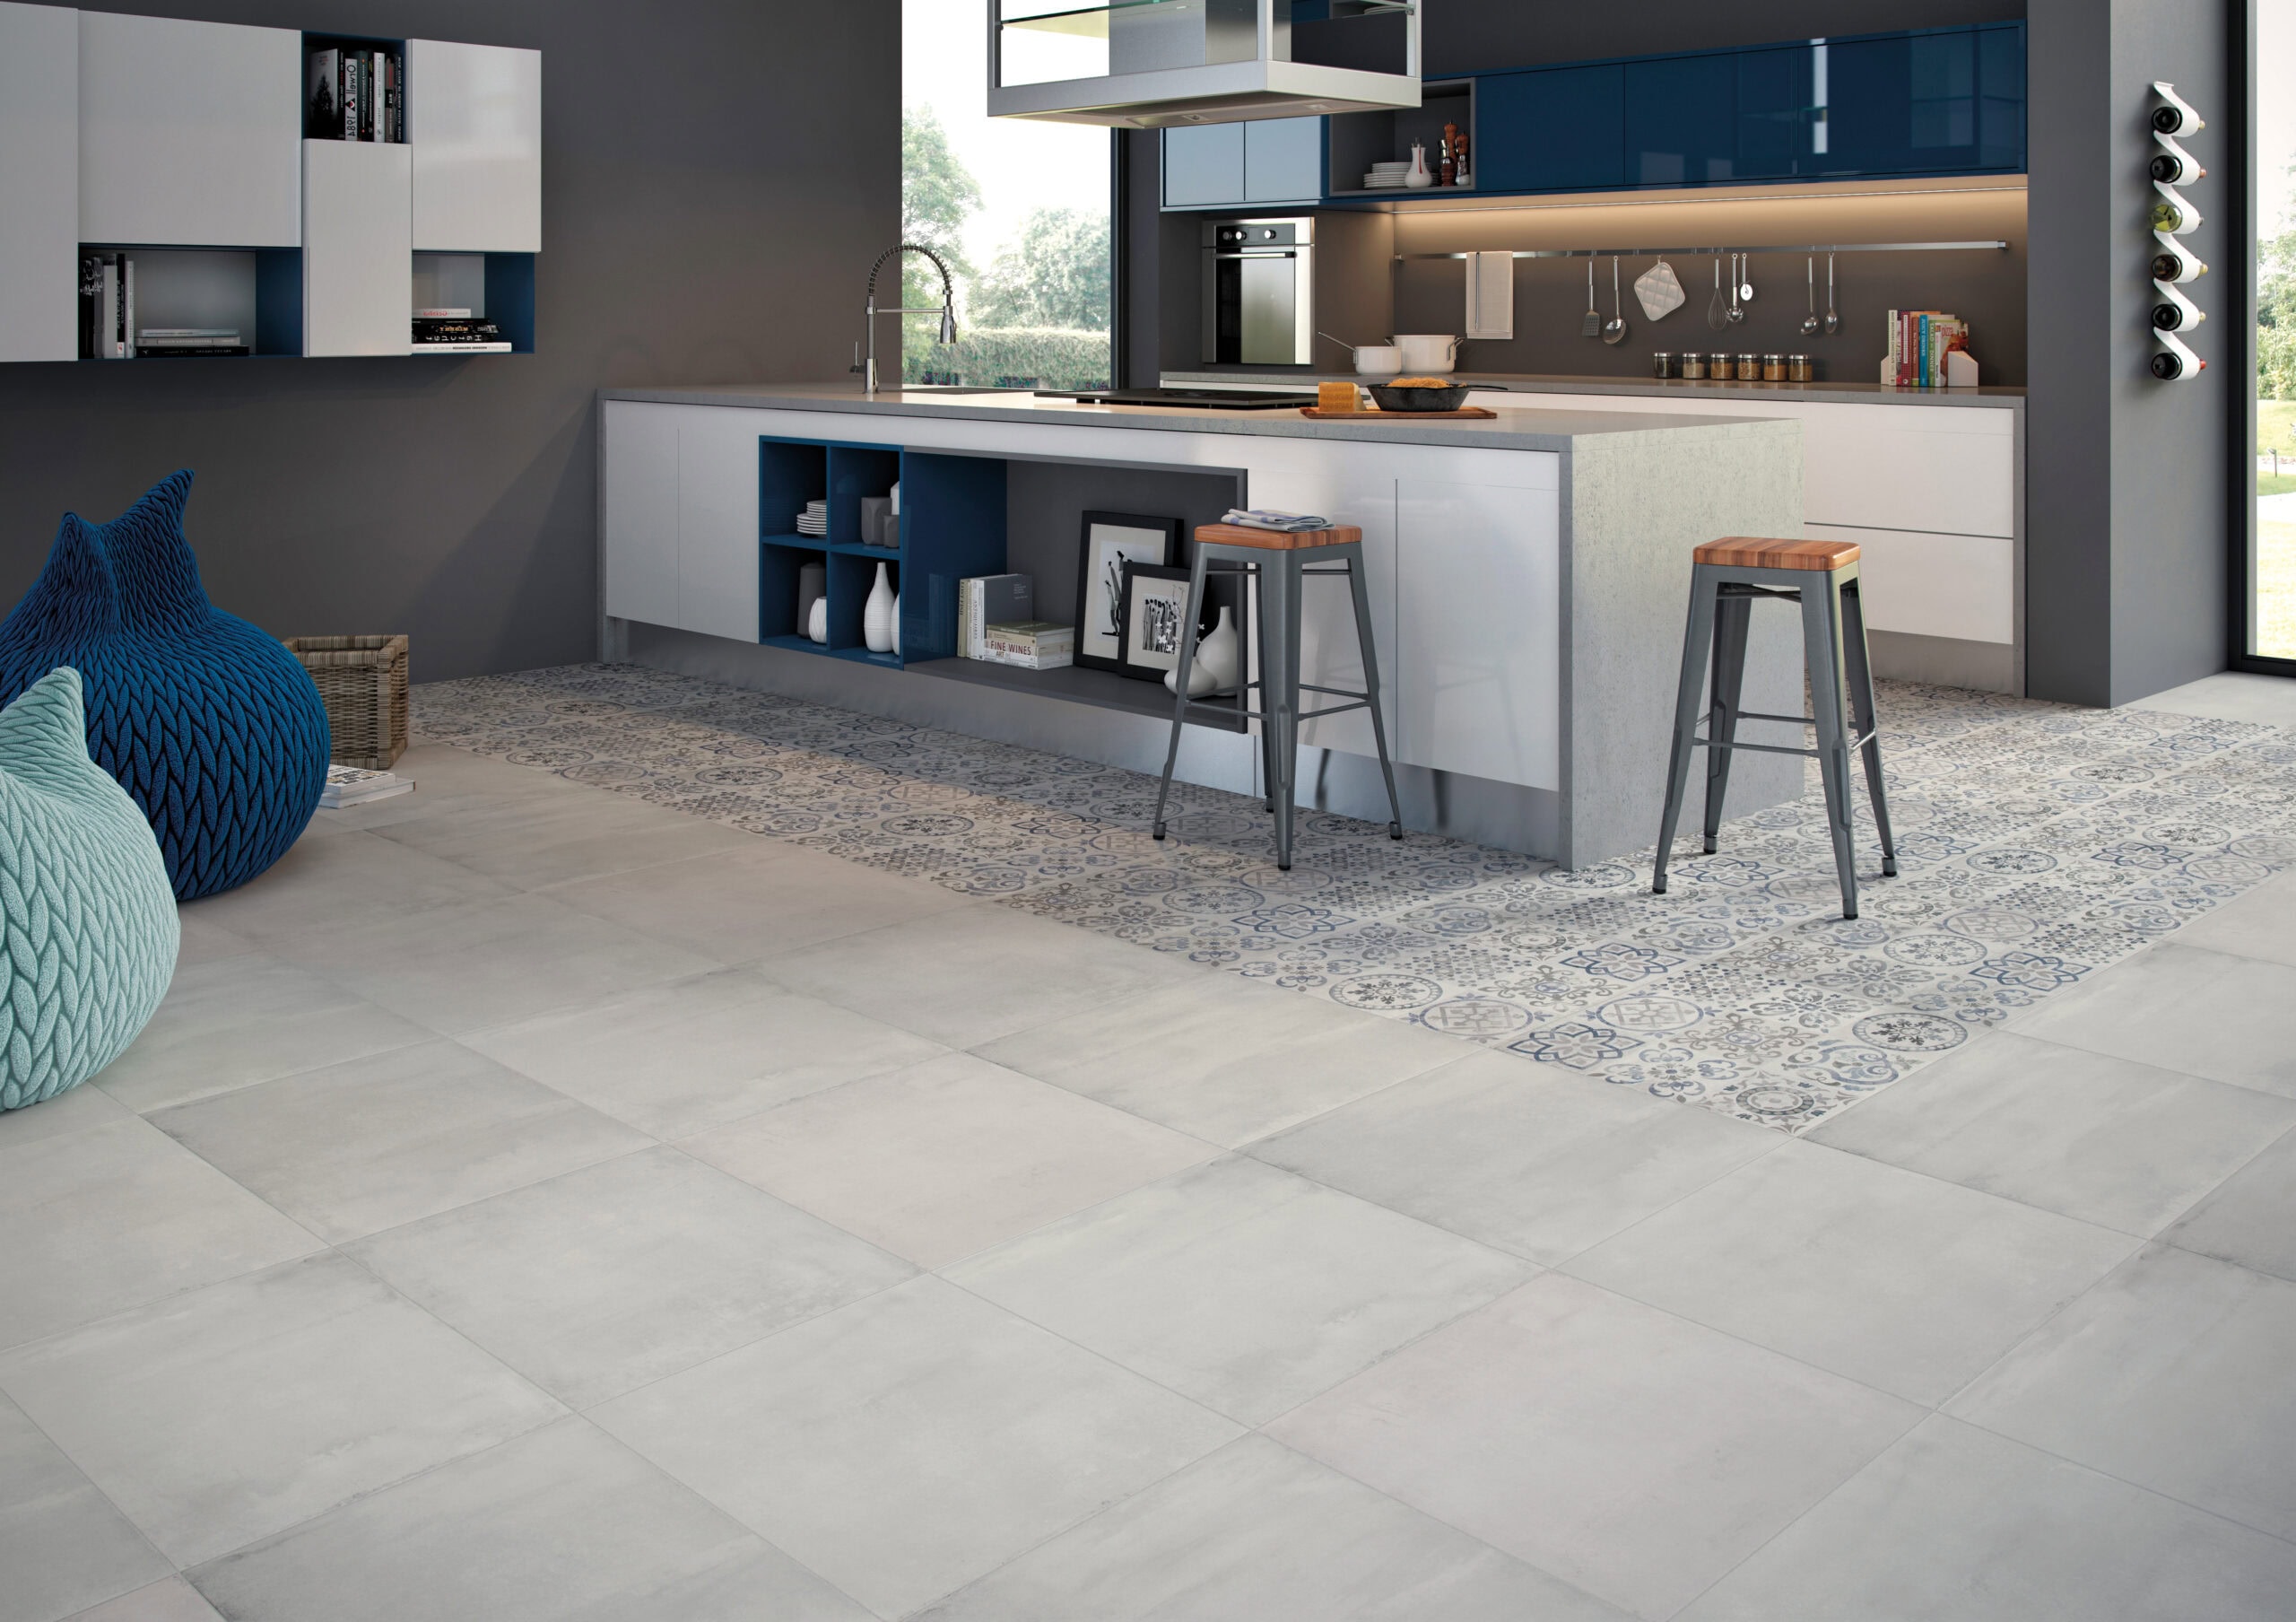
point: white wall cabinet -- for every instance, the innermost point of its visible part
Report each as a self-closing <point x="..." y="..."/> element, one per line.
<point x="476" y="134"/>
<point x="39" y="193"/>
<point x="1264" y="161"/>
<point x="357" y="261"/>
<point x="189" y="132"/>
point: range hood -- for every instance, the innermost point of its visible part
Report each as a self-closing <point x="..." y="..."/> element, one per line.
<point x="1153" y="63"/>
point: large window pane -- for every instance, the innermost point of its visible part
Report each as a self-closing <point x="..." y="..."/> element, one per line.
<point x="2271" y="610"/>
<point x="1019" y="210"/>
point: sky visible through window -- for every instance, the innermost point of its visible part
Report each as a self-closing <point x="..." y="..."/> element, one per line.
<point x="2273" y="612"/>
<point x="1019" y="209"/>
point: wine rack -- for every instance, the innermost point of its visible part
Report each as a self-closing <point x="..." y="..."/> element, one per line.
<point x="2173" y="218"/>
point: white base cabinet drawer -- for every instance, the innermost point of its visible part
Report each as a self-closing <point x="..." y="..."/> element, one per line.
<point x="1960" y="586"/>
<point x="1931" y="468"/>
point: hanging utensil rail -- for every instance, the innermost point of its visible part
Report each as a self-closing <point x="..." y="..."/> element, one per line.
<point x="1800" y="247"/>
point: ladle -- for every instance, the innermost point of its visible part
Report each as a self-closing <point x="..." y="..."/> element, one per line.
<point x="1810" y="322"/>
<point x="1833" y="317"/>
<point x="1614" y="329"/>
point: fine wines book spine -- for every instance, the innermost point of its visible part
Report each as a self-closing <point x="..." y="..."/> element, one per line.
<point x="127" y="308"/>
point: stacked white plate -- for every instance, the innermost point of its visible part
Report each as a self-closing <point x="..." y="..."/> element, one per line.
<point x="814" y="519"/>
<point x="1385" y="176"/>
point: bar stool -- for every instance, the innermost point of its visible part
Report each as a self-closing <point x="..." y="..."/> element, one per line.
<point x="1279" y="561"/>
<point x="1822" y="576"/>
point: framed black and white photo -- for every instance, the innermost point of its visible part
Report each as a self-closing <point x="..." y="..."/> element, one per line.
<point x="1110" y="541"/>
<point x="1153" y="610"/>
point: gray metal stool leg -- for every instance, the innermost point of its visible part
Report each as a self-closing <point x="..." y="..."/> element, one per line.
<point x="1862" y="710"/>
<point x="1371" y="688"/>
<point x="1195" y="582"/>
<point x="1734" y="612"/>
<point x="1283" y="699"/>
<point x="1821" y="639"/>
<point x="1698" y="639"/>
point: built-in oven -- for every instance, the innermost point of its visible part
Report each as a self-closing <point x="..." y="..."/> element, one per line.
<point x="1260" y="301"/>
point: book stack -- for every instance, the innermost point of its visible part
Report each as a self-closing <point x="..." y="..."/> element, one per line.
<point x="106" y="307"/>
<point x="356" y="95"/>
<point x="814" y="520"/>
<point x="457" y="332"/>
<point x="1919" y="342"/>
<point x="1030" y="645"/>
<point x="1288" y="523"/>
<point x="153" y="342"/>
<point x="991" y="599"/>
<point x="356" y="786"/>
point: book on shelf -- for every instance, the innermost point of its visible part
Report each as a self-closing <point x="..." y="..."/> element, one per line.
<point x="355" y="95"/>
<point x="460" y="333"/>
<point x="356" y="786"/>
<point x="442" y="315"/>
<point x="988" y="599"/>
<point x="106" y="307"/>
<point x="421" y="348"/>
<point x="1919" y="342"/>
<point x="1028" y="645"/>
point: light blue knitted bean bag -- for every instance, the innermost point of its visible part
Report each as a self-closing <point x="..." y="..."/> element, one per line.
<point x="87" y="915"/>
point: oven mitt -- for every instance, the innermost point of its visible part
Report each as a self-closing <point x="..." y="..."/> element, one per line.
<point x="1661" y="295"/>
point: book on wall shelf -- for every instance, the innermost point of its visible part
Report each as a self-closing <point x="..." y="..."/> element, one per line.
<point x="1030" y="645"/>
<point x="106" y="307"/>
<point x="356" y="95"/>
<point x="991" y="599"/>
<point x="456" y="332"/>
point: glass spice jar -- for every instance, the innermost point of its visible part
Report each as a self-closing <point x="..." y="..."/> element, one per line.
<point x="1773" y="369"/>
<point x="1662" y="365"/>
<point x="1749" y="369"/>
<point x="1797" y="368"/>
<point x="1694" y="367"/>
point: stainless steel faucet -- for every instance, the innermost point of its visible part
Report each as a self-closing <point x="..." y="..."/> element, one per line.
<point x="947" y="313"/>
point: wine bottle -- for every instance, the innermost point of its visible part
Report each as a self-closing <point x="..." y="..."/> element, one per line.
<point x="2171" y="169"/>
<point x="2168" y="217"/>
<point x="2167" y="367"/>
<point x="2166" y="318"/>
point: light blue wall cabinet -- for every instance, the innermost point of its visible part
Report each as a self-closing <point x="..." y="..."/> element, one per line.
<point x="1936" y="102"/>
<point x="1225" y="165"/>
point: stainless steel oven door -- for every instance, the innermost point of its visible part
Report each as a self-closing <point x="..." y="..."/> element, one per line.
<point x="1260" y="307"/>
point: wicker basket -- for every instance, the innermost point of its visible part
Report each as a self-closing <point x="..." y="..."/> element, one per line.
<point x="362" y="681"/>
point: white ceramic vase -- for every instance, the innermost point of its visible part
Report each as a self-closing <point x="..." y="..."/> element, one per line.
<point x="878" y="616"/>
<point x="1418" y="177"/>
<point x="1219" y="662"/>
<point x="817" y="622"/>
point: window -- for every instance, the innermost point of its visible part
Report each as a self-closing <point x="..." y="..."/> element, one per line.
<point x="1020" y="211"/>
<point x="2269" y="628"/>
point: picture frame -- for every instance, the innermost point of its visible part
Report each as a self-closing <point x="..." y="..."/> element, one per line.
<point x="1153" y="611"/>
<point x="1110" y="541"/>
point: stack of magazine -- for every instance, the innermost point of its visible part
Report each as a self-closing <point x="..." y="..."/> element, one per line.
<point x="457" y="332"/>
<point x="355" y="786"/>
<point x="1288" y="523"/>
<point x="996" y="623"/>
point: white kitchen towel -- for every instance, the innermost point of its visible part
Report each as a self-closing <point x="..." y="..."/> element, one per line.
<point x="1491" y="295"/>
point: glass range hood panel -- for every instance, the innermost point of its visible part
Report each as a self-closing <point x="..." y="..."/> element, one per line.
<point x="1152" y="63"/>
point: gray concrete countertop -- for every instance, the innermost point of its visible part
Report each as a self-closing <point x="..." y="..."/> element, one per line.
<point x="1874" y="393"/>
<point x="1526" y="430"/>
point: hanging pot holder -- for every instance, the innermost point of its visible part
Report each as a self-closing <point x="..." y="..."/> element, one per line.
<point x="1660" y="294"/>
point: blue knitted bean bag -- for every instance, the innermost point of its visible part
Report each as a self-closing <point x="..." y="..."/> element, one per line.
<point x="211" y="726"/>
<point x="87" y="920"/>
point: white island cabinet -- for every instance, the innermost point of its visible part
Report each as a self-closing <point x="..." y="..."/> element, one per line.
<point x="1527" y="578"/>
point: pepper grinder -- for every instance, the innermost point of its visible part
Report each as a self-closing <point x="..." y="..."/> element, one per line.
<point x="1450" y="158"/>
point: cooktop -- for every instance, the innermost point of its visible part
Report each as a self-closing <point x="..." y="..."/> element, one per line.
<point x="1213" y="400"/>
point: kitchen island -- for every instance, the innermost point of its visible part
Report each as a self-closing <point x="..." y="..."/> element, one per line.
<point x="1527" y="575"/>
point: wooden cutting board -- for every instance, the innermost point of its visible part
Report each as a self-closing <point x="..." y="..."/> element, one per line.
<point x="1373" y="416"/>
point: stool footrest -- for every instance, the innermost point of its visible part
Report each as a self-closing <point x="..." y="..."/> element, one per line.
<point x="1853" y="745"/>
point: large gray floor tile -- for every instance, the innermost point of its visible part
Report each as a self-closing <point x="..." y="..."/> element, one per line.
<point x="2204" y="1013"/>
<point x="1226" y="1059"/>
<point x="170" y="1600"/>
<point x="451" y="782"/>
<point x="943" y="1158"/>
<point x="1256" y="1533"/>
<point x="107" y="1218"/>
<point x="386" y="1139"/>
<point x="340" y="885"/>
<point x="225" y="1415"/>
<point x="1520" y="1156"/>
<point x="2173" y="1373"/>
<point x="1954" y="1522"/>
<point x="679" y="1058"/>
<point x="596" y="1282"/>
<point x="2260" y="924"/>
<point x="2230" y="695"/>
<point x="975" y="973"/>
<point x="201" y="940"/>
<point x="564" y="1522"/>
<point x="910" y="1442"/>
<point x="2251" y="1218"/>
<point x="62" y="1546"/>
<point x="471" y="967"/>
<point x="535" y="841"/>
<point x="2105" y="1139"/>
<point x="237" y="1020"/>
<point x="1629" y="1452"/>
<point x="74" y="1109"/>
<point x="755" y="900"/>
<point x="1240" y="1285"/>
<point x="1899" y="1280"/>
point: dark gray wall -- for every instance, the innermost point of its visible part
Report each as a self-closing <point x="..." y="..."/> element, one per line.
<point x="717" y="177"/>
<point x="2128" y="481"/>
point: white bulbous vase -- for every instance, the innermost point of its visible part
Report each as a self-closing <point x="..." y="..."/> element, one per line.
<point x="817" y="622"/>
<point x="1219" y="662"/>
<point x="878" y="616"/>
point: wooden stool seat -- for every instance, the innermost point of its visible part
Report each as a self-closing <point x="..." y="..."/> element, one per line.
<point x="1279" y="540"/>
<point x="1753" y="552"/>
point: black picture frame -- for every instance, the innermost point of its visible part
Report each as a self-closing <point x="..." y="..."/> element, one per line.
<point x="1106" y="542"/>
<point x="1143" y="659"/>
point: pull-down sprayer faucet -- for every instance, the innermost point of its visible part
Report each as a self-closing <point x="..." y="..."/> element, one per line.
<point x="947" y="313"/>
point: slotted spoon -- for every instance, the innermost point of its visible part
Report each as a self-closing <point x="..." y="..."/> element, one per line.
<point x="1590" y="325"/>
